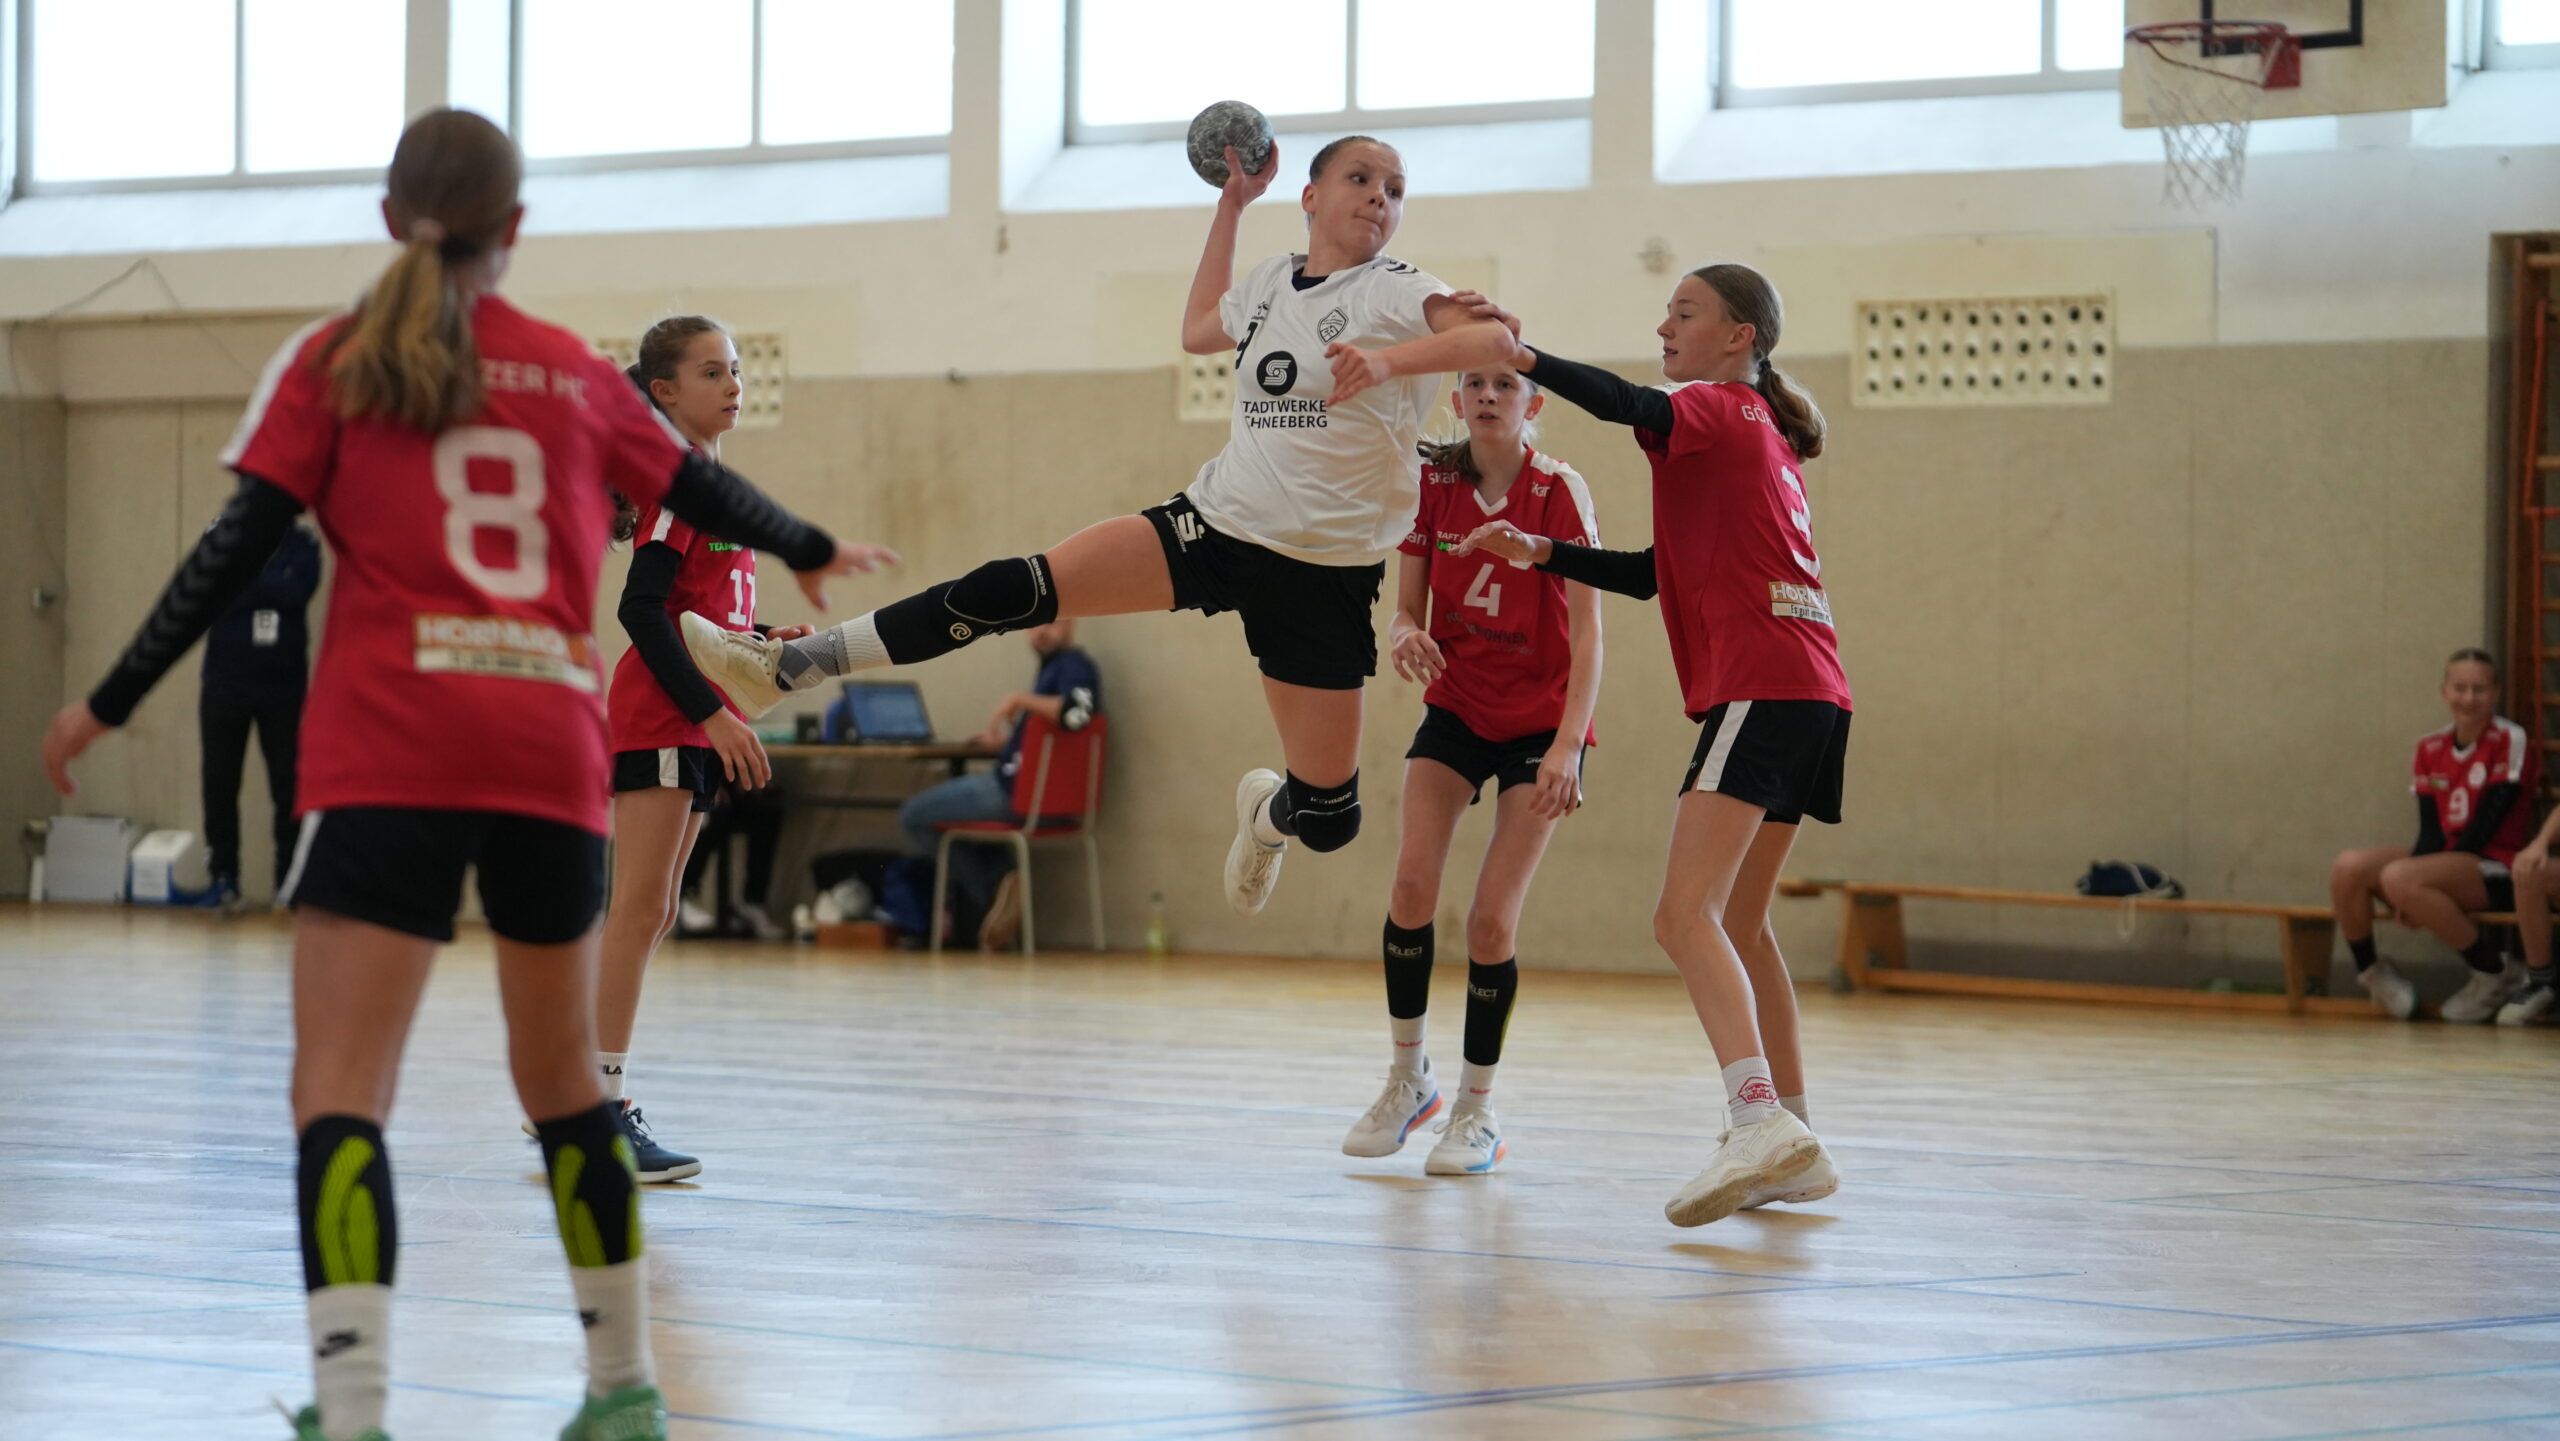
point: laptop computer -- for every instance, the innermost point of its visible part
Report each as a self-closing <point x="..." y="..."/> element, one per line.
<point x="884" y="712"/>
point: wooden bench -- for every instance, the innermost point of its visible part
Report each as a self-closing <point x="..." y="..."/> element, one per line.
<point x="1875" y="951"/>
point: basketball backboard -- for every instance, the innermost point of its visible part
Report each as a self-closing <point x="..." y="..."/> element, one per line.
<point x="2357" y="55"/>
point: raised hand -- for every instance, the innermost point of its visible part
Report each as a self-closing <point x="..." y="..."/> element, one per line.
<point x="1242" y="189"/>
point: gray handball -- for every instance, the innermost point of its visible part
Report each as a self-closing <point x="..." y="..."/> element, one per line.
<point x="1229" y="123"/>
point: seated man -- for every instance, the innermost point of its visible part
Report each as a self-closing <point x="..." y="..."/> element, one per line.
<point x="1067" y="692"/>
<point x="2474" y="781"/>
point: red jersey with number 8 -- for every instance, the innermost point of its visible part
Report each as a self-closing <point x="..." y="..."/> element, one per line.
<point x="1733" y="552"/>
<point x="2453" y="777"/>
<point x="717" y="581"/>
<point x="1501" y="627"/>
<point x="458" y="671"/>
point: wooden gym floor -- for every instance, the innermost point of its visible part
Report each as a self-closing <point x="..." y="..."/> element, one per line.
<point x="1101" y="1198"/>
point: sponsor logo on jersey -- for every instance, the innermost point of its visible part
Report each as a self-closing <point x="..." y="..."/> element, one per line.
<point x="1277" y="373"/>
<point x="505" y="646"/>
<point x="2479" y="774"/>
<point x="1288" y="413"/>
<point x="724" y="545"/>
<point x="1333" y="324"/>
<point x="1799" y="602"/>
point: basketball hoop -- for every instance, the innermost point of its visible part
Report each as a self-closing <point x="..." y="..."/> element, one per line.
<point x="2201" y="80"/>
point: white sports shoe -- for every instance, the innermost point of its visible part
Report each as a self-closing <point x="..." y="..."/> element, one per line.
<point x="2392" y="994"/>
<point x="2531" y="1004"/>
<point x="1253" y="867"/>
<point x="2481" y="996"/>
<point x="1470" y="1143"/>
<point x="1818" y="1181"/>
<point x="1776" y="1153"/>
<point x="740" y="662"/>
<point x="1411" y="1098"/>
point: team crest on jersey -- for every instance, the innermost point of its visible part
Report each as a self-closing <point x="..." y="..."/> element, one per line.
<point x="1333" y="324"/>
<point x="1394" y="267"/>
<point x="2479" y="774"/>
<point x="1278" y="373"/>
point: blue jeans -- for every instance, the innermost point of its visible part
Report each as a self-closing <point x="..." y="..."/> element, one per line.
<point x="978" y="796"/>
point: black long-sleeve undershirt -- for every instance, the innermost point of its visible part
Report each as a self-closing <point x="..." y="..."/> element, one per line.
<point x="644" y="616"/>
<point x="234" y="549"/>
<point x="2495" y="803"/>
<point x="1621" y="572"/>
<point x="2430" y="835"/>
<point x="1608" y="397"/>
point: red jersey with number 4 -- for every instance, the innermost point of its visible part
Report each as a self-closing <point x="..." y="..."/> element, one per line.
<point x="2454" y="777"/>
<point x="717" y="581"/>
<point x="1502" y="628"/>
<point x="457" y="672"/>
<point x="1733" y="552"/>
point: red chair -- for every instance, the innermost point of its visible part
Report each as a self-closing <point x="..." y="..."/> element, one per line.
<point x="1058" y="793"/>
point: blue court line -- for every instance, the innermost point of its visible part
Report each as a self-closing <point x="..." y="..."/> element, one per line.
<point x="1276" y="1417"/>
<point x="2415" y="1428"/>
<point x="1941" y="1286"/>
<point x="300" y="1376"/>
<point x="1795" y="1288"/>
<point x="2351" y="1220"/>
<point x="132" y="1315"/>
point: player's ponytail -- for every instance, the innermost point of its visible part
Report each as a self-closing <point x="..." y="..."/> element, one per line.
<point x="1751" y="300"/>
<point x="407" y="353"/>
<point x="661" y="351"/>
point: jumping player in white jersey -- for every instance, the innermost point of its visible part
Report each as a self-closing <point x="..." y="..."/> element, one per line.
<point x="1289" y="526"/>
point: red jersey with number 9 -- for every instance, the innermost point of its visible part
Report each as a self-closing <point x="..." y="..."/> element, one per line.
<point x="716" y="581"/>
<point x="458" y="671"/>
<point x="1733" y="552"/>
<point x="2452" y="777"/>
<point x="1501" y="627"/>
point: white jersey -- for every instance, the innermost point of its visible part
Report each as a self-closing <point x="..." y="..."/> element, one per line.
<point x="1330" y="485"/>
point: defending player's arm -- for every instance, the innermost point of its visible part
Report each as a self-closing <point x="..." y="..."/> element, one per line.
<point x="1409" y="644"/>
<point x="716" y="500"/>
<point x="1204" y="330"/>
<point x="1458" y="342"/>
<point x="1560" y="771"/>
<point x="652" y="628"/>
<point x="1608" y="397"/>
<point x="225" y="563"/>
<point x="1622" y="572"/>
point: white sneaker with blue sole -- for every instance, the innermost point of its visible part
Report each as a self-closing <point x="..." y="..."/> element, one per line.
<point x="1411" y="1098"/>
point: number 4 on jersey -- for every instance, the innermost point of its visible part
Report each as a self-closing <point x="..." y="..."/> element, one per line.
<point x="1484" y="597"/>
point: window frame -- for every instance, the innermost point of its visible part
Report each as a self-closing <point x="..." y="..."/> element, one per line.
<point x="2496" y="56"/>
<point x="2049" y="78"/>
<point x="755" y="152"/>
<point x="1352" y="117"/>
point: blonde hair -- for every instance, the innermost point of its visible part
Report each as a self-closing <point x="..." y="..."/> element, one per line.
<point x="407" y="354"/>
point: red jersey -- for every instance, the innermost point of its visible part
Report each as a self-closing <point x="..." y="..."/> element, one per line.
<point x="1502" y="627"/>
<point x="457" y="671"/>
<point x="716" y="581"/>
<point x="2454" y="778"/>
<point x="1742" y="593"/>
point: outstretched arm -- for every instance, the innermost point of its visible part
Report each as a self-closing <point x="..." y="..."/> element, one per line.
<point x="1460" y="344"/>
<point x="716" y="500"/>
<point x="1625" y="572"/>
<point x="1608" y="397"/>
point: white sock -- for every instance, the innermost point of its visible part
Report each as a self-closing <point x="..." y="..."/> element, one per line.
<point x="1750" y="1097"/>
<point x="837" y="650"/>
<point x="613" y="1304"/>
<point x="350" y="1358"/>
<point x="1475" y="1085"/>
<point x="1263" y="830"/>
<point x="1409" y="1057"/>
<point x="612" y="1064"/>
<point x="1796" y="1108"/>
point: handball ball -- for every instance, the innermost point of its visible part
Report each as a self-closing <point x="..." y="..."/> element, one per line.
<point x="1229" y="122"/>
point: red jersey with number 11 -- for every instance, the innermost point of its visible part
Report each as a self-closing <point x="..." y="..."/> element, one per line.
<point x="1501" y="627"/>
<point x="457" y="672"/>
<point x="717" y="581"/>
<point x="1733" y="551"/>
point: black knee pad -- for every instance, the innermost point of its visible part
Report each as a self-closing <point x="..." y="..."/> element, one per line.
<point x="1326" y="819"/>
<point x="1005" y="595"/>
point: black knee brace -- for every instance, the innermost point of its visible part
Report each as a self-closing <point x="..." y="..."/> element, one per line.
<point x="1000" y="596"/>
<point x="1325" y="819"/>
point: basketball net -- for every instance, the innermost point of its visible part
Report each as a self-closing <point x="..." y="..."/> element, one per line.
<point x="2202" y="82"/>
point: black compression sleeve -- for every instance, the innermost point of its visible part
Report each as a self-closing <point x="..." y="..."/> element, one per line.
<point x="2495" y="802"/>
<point x="2430" y="835"/>
<point x="718" y="501"/>
<point x="643" y="613"/>
<point x="1625" y="572"/>
<point x="1609" y="397"/>
<point x="222" y="567"/>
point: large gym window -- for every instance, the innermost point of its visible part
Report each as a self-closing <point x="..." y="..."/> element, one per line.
<point x="1788" y="52"/>
<point x="235" y="88"/>
<point x="2523" y="32"/>
<point x="1140" y="69"/>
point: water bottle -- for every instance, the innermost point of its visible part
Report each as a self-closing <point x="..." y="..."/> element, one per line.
<point x="1159" y="939"/>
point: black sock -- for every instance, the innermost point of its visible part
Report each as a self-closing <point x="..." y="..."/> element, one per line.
<point x="1408" y="955"/>
<point x="350" y="1235"/>
<point x="593" y="1185"/>
<point x="2362" y="951"/>
<point x="1000" y="596"/>
<point x="2485" y="953"/>
<point x="1490" y="992"/>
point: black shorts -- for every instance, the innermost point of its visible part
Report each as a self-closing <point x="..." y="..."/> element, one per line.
<point x="2500" y="884"/>
<point x="1306" y="624"/>
<point x="685" y="768"/>
<point x="1443" y="737"/>
<point x="1785" y="756"/>
<point x="541" y="882"/>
